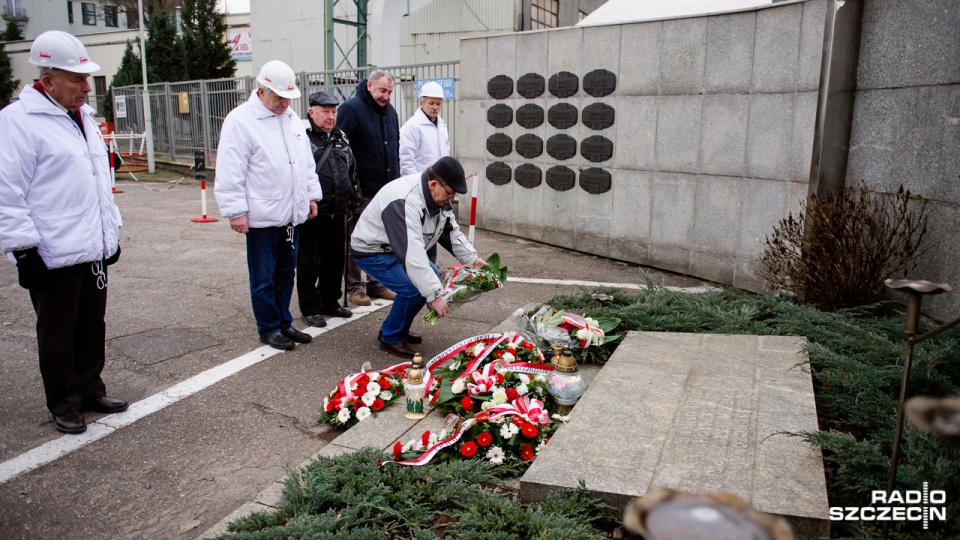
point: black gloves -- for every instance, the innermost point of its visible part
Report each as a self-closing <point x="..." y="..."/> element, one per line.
<point x="113" y="258"/>
<point x="32" y="270"/>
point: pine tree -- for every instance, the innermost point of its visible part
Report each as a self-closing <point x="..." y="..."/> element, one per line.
<point x="164" y="50"/>
<point x="206" y="49"/>
<point x="8" y="85"/>
<point x="128" y="73"/>
<point x="12" y="33"/>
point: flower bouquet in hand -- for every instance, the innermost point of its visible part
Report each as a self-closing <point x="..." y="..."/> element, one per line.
<point x="461" y="283"/>
<point x="361" y="395"/>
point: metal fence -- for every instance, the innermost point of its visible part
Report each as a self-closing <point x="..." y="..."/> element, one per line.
<point x="187" y="116"/>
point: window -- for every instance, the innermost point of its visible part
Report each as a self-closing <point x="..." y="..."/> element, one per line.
<point x="110" y="16"/>
<point x="100" y="84"/>
<point x="69" y="12"/>
<point x="89" y="12"/>
<point x="133" y="17"/>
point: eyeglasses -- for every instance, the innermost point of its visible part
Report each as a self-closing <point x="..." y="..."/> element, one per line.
<point x="450" y="192"/>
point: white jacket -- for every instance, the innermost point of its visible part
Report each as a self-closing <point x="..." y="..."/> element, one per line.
<point x="55" y="186"/>
<point x="422" y="143"/>
<point x="265" y="169"/>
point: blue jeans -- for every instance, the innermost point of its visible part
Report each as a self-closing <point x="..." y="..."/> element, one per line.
<point x="271" y="264"/>
<point x="386" y="269"/>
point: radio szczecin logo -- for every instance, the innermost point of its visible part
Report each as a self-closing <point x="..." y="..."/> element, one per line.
<point x="911" y="505"/>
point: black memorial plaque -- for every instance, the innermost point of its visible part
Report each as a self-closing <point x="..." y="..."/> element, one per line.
<point x="500" y="115"/>
<point x="595" y="181"/>
<point x="529" y="146"/>
<point x="597" y="116"/>
<point x="561" y="147"/>
<point x="562" y="115"/>
<point x="500" y="87"/>
<point x="596" y="148"/>
<point x="599" y="83"/>
<point x="564" y="84"/>
<point x="530" y="116"/>
<point x="499" y="173"/>
<point x="561" y="178"/>
<point x="499" y="144"/>
<point x="529" y="176"/>
<point x="531" y="85"/>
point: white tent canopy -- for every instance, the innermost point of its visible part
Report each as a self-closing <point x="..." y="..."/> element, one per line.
<point x="628" y="11"/>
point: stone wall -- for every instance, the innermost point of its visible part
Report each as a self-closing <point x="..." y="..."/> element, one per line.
<point x="906" y="123"/>
<point x="712" y="136"/>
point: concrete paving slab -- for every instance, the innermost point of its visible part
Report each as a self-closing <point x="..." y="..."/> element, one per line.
<point x="156" y="346"/>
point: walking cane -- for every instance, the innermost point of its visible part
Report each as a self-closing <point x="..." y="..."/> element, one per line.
<point x="346" y="243"/>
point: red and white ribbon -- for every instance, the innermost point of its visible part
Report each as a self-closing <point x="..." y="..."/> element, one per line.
<point x="433" y="450"/>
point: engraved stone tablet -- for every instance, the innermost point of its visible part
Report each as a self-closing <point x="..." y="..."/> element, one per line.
<point x="594" y="180"/>
<point x="564" y="84"/>
<point x="529" y="146"/>
<point x="499" y="173"/>
<point x="561" y="147"/>
<point x="561" y="178"/>
<point x="500" y="115"/>
<point x="530" y="116"/>
<point x="500" y="87"/>
<point x="597" y="116"/>
<point x="499" y="144"/>
<point x="595" y="148"/>
<point x="599" y="83"/>
<point x="529" y="176"/>
<point x="531" y="85"/>
<point x="562" y="115"/>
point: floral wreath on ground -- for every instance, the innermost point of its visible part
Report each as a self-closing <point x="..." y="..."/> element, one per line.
<point x="360" y="395"/>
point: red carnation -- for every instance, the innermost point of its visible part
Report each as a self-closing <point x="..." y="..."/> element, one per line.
<point x="527" y="345"/>
<point x="526" y="452"/>
<point x="484" y="439"/>
<point x="497" y="354"/>
<point x="499" y="377"/>
<point x="529" y="430"/>
<point x="425" y="438"/>
<point x="357" y="404"/>
<point x="397" y="450"/>
<point x="363" y="379"/>
<point x="468" y="450"/>
<point x="512" y="394"/>
<point x="384" y="384"/>
<point x="377" y="404"/>
<point x="466" y="403"/>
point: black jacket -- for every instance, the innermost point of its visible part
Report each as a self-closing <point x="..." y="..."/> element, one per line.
<point x="374" y="134"/>
<point x="338" y="173"/>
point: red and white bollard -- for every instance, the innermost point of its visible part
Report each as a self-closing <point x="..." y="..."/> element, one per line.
<point x="473" y="207"/>
<point x="203" y="205"/>
<point x="113" y="168"/>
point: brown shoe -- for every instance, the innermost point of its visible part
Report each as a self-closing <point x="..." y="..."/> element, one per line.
<point x="360" y="299"/>
<point x="384" y="293"/>
<point x="414" y="338"/>
<point x="403" y="350"/>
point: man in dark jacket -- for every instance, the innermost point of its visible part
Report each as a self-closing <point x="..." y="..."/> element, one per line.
<point x="370" y="122"/>
<point x="321" y="258"/>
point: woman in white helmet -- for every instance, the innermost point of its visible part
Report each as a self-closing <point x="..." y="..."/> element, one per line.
<point x="59" y="223"/>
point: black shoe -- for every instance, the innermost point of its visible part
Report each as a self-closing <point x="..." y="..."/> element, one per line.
<point x="105" y="404"/>
<point x="315" y="320"/>
<point x="296" y="335"/>
<point x="70" y="423"/>
<point x="278" y="341"/>
<point x="337" y="311"/>
<point x="412" y="337"/>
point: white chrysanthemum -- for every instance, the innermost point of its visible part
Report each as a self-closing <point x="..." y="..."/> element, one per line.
<point x="363" y="413"/>
<point x="458" y="386"/>
<point x="541" y="446"/>
<point x="538" y="390"/>
<point x="408" y="447"/>
<point x="432" y="440"/>
<point x="370" y="397"/>
<point x="560" y="418"/>
<point x="523" y="389"/>
<point x="524" y="378"/>
<point x="486" y="405"/>
<point x="508" y="358"/>
<point x="495" y="455"/>
<point x="344" y="415"/>
<point x="540" y="377"/>
<point x="373" y="386"/>
<point x="499" y="396"/>
<point x="508" y="430"/>
<point x="583" y="334"/>
<point x="592" y="322"/>
<point x="445" y="433"/>
<point x="373" y="375"/>
<point x="455" y="365"/>
<point x="386" y="395"/>
<point x="478" y="348"/>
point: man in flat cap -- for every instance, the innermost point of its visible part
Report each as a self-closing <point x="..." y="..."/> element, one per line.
<point x="390" y="243"/>
<point x="323" y="240"/>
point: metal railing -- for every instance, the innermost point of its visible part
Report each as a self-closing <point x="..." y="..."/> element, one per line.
<point x="187" y="116"/>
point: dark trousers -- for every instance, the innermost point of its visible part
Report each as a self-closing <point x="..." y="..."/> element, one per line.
<point x="70" y="336"/>
<point x="355" y="284"/>
<point x="320" y="263"/>
<point x="271" y="263"/>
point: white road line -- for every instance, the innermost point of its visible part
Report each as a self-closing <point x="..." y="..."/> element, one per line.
<point x="633" y="286"/>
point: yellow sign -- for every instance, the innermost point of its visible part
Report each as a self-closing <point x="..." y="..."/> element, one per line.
<point x="183" y="102"/>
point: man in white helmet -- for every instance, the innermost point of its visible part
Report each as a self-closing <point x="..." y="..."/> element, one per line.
<point x="424" y="138"/>
<point x="267" y="187"/>
<point x="59" y="224"/>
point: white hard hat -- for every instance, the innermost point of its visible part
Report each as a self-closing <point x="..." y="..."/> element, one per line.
<point x="56" y="49"/>
<point x="280" y="78"/>
<point x="431" y="89"/>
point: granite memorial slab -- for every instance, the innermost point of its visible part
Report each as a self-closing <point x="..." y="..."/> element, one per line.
<point x="696" y="413"/>
<point x="529" y="146"/>
<point x="595" y="181"/>
<point x="499" y="144"/>
<point x="561" y="146"/>
<point x="530" y="116"/>
<point x="499" y="173"/>
<point x="561" y="178"/>
<point x="597" y="116"/>
<point x="500" y="115"/>
<point x="596" y="148"/>
<point x="528" y="175"/>
<point x="562" y="115"/>
<point x="531" y="85"/>
<point x="599" y="83"/>
<point x="564" y="84"/>
<point x="500" y="87"/>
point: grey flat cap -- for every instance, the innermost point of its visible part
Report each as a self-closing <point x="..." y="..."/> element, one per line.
<point x="324" y="99"/>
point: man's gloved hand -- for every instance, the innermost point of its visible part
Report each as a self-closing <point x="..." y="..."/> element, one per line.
<point x="32" y="270"/>
<point x="113" y="258"/>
